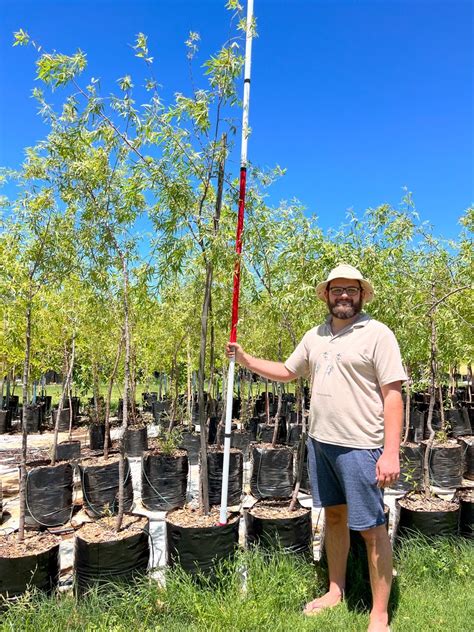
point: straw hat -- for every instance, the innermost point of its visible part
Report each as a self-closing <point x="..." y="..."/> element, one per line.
<point x="345" y="271"/>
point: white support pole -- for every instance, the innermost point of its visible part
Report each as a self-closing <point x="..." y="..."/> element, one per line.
<point x="243" y="166"/>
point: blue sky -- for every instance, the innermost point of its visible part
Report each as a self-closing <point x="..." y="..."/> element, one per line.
<point x="356" y="99"/>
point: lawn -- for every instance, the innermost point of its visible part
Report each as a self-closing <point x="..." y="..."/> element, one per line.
<point x="432" y="591"/>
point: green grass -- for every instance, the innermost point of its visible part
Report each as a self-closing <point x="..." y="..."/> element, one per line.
<point x="432" y="591"/>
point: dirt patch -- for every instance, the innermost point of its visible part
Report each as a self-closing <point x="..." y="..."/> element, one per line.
<point x="189" y="517"/>
<point x="104" y="530"/>
<point x="33" y="544"/>
<point x="276" y="509"/>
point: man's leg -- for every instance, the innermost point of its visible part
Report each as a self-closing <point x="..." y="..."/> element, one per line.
<point x="379" y="555"/>
<point x="336" y="542"/>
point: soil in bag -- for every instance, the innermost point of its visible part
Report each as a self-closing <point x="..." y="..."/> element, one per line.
<point x="271" y="525"/>
<point x="164" y="480"/>
<point x="48" y="494"/>
<point x="272" y="471"/>
<point x="100" y="485"/>
<point x="215" y="460"/>
<point x="102" y="556"/>
<point x="28" y="564"/>
<point x="196" y="544"/>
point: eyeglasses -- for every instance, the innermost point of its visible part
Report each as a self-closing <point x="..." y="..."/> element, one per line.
<point x="350" y="291"/>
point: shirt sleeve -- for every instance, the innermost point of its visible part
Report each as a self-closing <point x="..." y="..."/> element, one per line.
<point x="298" y="362"/>
<point x="387" y="359"/>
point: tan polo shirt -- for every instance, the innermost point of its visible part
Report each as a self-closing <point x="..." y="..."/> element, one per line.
<point x="347" y="370"/>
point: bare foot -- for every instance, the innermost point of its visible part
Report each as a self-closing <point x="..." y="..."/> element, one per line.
<point x="329" y="600"/>
<point x="378" y="624"/>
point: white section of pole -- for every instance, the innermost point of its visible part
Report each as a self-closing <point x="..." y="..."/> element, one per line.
<point x="246" y="99"/>
<point x="227" y="433"/>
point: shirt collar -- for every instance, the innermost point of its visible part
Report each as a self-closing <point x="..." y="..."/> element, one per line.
<point x="361" y="321"/>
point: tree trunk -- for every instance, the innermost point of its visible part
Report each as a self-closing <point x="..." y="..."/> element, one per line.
<point x="24" y="436"/>
<point x="433" y="372"/>
<point x="95" y="390"/>
<point x="109" y="397"/>
<point x="126" y="393"/>
<point x="407" y="404"/>
<point x="204" y="483"/>
<point x="277" y="416"/>
<point x="189" y="396"/>
<point x="441" y="408"/>
<point x="68" y="374"/>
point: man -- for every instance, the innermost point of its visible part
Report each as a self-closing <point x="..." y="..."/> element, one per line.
<point x="355" y="425"/>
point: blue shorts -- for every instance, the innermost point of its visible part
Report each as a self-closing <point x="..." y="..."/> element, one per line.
<point x="346" y="476"/>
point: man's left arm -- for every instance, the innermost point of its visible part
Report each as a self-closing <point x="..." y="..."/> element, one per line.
<point x="388" y="466"/>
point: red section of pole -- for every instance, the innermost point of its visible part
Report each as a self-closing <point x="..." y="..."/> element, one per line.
<point x="238" y="251"/>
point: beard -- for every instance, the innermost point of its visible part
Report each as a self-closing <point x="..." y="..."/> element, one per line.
<point x="344" y="308"/>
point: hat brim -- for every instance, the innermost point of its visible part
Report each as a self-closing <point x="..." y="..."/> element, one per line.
<point x="366" y="286"/>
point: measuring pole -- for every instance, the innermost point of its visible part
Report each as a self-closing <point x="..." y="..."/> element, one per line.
<point x="238" y="252"/>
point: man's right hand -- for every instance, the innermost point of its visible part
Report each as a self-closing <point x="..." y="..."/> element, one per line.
<point x="233" y="349"/>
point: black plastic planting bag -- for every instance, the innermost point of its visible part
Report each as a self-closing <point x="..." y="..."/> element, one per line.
<point x="64" y="419"/>
<point x="292" y="534"/>
<point x="241" y="441"/>
<point x="411" y="468"/>
<point x="215" y="462"/>
<point x="100" y="485"/>
<point x="429" y="523"/>
<point x="164" y="481"/>
<point x="97" y="436"/>
<point x="68" y="450"/>
<point x="294" y="434"/>
<point x="458" y="422"/>
<point x="104" y="562"/>
<point x="48" y="495"/>
<point x="200" y="549"/>
<point x="272" y="472"/>
<point x="265" y="432"/>
<point x="32" y="418"/>
<point x="5" y="421"/>
<point x="417" y="424"/>
<point x="466" y="517"/>
<point x="136" y="441"/>
<point x="191" y="443"/>
<point x="39" y="570"/>
<point x="446" y="466"/>
<point x="305" y="483"/>
<point x="467" y="445"/>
